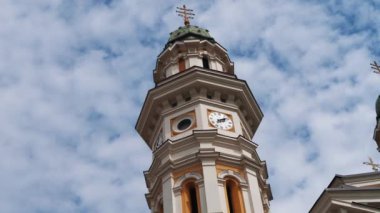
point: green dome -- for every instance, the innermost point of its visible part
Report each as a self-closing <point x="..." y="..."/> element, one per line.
<point x="378" y="108"/>
<point x="189" y="32"/>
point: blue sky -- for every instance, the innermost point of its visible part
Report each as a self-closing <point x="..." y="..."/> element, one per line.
<point x="74" y="75"/>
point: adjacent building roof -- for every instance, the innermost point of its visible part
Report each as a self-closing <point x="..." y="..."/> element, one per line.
<point x="350" y="193"/>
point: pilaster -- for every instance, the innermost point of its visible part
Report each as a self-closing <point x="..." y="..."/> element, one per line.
<point x="211" y="186"/>
<point x="254" y="189"/>
<point x="168" y="194"/>
<point x="246" y="198"/>
<point x="222" y="195"/>
<point x="202" y="195"/>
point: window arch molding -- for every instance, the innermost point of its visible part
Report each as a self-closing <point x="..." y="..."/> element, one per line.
<point x="229" y="173"/>
<point x="183" y="178"/>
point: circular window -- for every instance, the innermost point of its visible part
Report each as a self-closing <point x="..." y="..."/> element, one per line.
<point x="184" y="124"/>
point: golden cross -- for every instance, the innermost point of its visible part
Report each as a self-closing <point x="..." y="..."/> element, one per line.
<point x="186" y="14"/>
<point x="375" y="166"/>
<point x="375" y="67"/>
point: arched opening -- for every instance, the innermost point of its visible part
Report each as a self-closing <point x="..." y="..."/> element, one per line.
<point x="161" y="208"/>
<point x="190" y="198"/>
<point x="181" y="64"/>
<point x="205" y="62"/>
<point x="234" y="196"/>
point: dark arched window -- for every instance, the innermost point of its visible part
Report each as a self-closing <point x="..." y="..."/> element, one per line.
<point x="181" y="64"/>
<point x="161" y="208"/>
<point x="234" y="197"/>
<point x="190" y="198"/>
<point x="205" y="62"/>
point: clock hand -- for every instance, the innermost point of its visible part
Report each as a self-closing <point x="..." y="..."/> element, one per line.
<point x="221" y="120"/>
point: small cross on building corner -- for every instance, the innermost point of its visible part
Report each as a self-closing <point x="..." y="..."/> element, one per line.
<point x="375" y="166"/>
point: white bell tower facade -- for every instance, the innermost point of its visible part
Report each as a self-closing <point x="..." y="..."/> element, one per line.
<point x="199" y="120"/>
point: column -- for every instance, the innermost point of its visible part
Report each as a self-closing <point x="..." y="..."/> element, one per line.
<point x="167" y="193"/>
<point x="257" y="203"/>
<point x="222" y="195"/>
<point x="211" y="186"/>
<point x="246" y="199"/>
<point x="202" y="197"/>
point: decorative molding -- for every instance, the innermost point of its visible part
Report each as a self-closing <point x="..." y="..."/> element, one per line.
<point x="191" y="115"/>
<point x="191" y="175"/>
<point x="195" y="78"/>
<point x="157" y="202"/>
<point x="225" y="173"/>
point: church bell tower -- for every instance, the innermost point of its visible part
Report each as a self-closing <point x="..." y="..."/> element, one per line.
<point x="198" y="121"/>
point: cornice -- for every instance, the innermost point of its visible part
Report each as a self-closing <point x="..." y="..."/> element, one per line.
<point x="159" y="168"/>
<point x="345" y="197"/>
<point x="354" y="179"/>
<point x="192" y="80"/>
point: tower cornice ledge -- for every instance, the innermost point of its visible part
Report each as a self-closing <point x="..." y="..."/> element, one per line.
<point x="206" y="140"/>
<point x="204" y="144"/>
<point x="195" y="79"/>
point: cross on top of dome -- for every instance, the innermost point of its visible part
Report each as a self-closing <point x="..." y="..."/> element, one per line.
<point x="375" y="67"/>
<point x="186" y="14"/>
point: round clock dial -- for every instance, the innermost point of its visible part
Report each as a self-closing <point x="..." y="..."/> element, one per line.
<point x="220" y="120"/>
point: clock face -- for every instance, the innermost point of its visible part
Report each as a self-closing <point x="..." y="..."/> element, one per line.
<point x="220" y="120"/>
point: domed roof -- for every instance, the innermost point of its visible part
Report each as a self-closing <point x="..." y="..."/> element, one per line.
<point x="378" y="107"/>
<point x="189" y="32"/>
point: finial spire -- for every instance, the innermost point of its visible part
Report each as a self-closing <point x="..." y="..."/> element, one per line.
<point x="375" y="67"/>
<point x="186" y="14"/>
<point x="375" y="166"/>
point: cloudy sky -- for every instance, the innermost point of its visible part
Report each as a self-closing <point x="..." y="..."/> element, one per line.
<point x="74" y="75"/>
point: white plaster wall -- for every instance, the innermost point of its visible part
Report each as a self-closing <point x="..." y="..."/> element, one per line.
<point x="222" y="197"/>
<point x="202" y="196"/>
<point x="247" y="201"/>
<point x="247" y="154"/>
<point x="184" y="153"/>
<point x="213" y="64"/>
<point x="228" y="150"/>
<point x="254" y="191"/>
<point x="195" y="61"/>
<point x="172" y="69"/>
<point x="167" y="194"/>
<point x="211" y="186"/>
<point x="178" y="201"/>
<point x="218" y="66"/>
